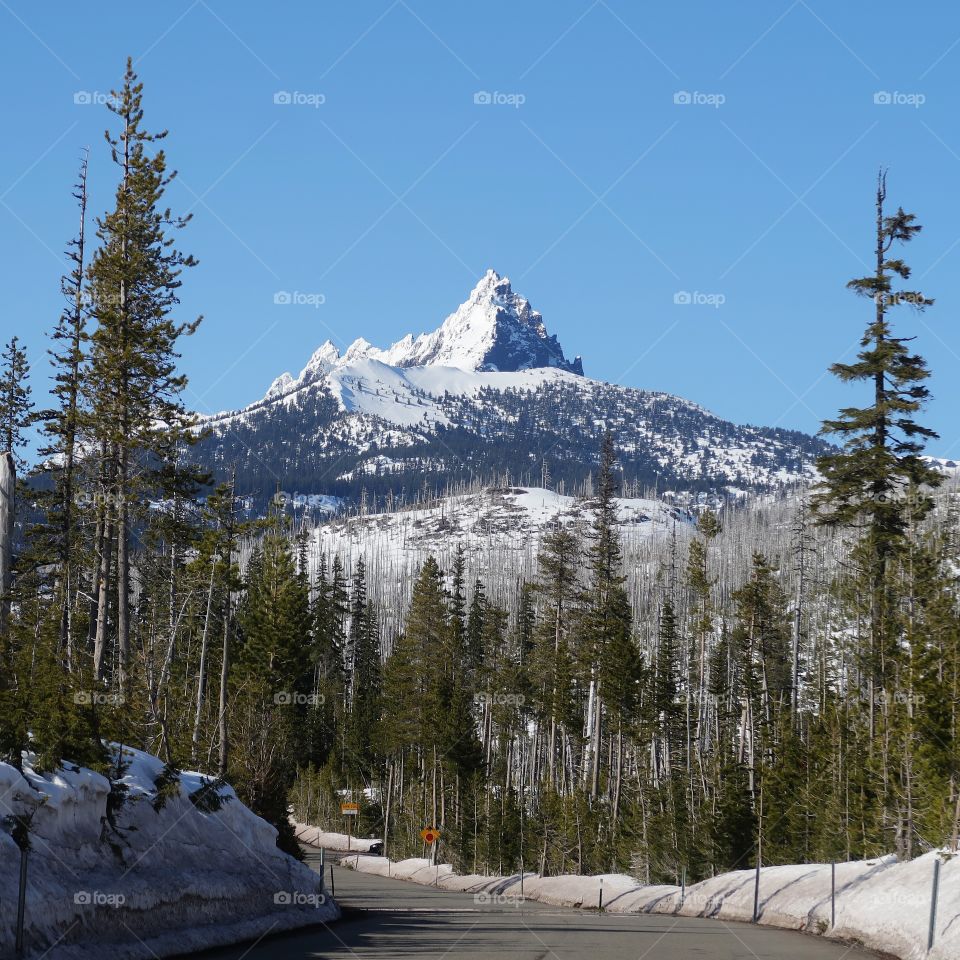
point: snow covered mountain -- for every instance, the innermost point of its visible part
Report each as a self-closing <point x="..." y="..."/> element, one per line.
<point x="494" y="329"/>
<point x="488" y="395"/>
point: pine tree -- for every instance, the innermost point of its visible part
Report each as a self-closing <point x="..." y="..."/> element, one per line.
<point x="761" y="642"/>
<point x="458" y="602"/>
<point x="271" y="681"/>
<point x="874" y="483"/>
<point x="356" y="630"/>
<point x="275" y="622"/>
<point x="135" y="277"/>
<point x="607" y="617"/>
<point x="62" y="424"/>
<point x="366" y="679"/>
<point x="558" y="586"/>
<point x="475" y="626"/>
<point x="666" y="708"/>
<point x="16" y="405"/>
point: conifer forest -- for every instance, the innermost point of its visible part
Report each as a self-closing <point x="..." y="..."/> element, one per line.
<point x="773" y="675"/>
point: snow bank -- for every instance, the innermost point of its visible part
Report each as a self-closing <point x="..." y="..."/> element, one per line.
<point x="331" y="841"/>
<point x="880" y="904"/>
<point x="154" y="883"/>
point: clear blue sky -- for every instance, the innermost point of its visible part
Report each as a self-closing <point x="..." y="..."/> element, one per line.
<point x="599" y="195"/>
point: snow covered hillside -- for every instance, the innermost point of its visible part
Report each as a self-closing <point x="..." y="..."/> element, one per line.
<point x="145" y="878"/>
<point x="499" y="529"/>
<point x="489" y="392"/>
<point x="495" y="520"/>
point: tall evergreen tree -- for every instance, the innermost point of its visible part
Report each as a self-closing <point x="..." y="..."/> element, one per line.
<point x="874" y="483"/>
<point x="558" y="586"/>
<point x="62" y="423"/>
<point x="135" y="278"/>
<point x="16" y="405"/>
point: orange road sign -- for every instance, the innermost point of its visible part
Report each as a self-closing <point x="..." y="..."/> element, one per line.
<point x="430" y="835"/>
<point x="350" y="809"/>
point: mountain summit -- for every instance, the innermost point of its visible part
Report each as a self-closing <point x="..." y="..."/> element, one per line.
<point x="493" y="330"/>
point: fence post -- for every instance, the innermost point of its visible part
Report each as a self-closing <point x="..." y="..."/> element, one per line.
<point x="600" y="902"/>
<point x="22" y="902"/>
<point x="933" y="904"/>
<point x="833" y="895"/>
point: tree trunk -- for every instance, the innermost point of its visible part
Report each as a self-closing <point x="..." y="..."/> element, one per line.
<point x="8" y="485"/>
<point x="103" y="597"/>
<point x="224" y="677"/>
<point x="123" y="576"/>
<point x="202" y="673"/>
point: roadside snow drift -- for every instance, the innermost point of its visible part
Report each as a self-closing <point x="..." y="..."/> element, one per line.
<point x="339" y="842"/>
<point x="880" y="904"/>
<point x="154" y="882"/>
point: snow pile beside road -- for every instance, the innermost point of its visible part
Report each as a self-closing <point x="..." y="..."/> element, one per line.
<point x="880" y="904"/>
<point x="563" y="891"/>
<point x="153" y="878"/>
<point x="331" y="841"/>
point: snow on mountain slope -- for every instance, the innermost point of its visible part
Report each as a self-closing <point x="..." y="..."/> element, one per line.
<point x="406" y="395"/>
<point x="180" y="878"/>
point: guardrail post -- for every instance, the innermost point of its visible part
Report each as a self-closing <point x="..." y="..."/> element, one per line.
<point x="933" y="904"/>
<point x="756" y="893"/>
<point x="833" y="895"/>
<point x="22" y="902"/>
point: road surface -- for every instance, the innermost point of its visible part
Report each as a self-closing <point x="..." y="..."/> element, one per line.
<point x="395" y="920"/>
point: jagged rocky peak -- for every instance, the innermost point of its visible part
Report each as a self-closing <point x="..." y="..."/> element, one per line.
<point x="493" y="329"/>
<point x="324" y="359"/>
<point x="283" y="384"/>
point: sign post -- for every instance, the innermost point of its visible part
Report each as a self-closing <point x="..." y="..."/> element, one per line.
<point x="430" y="837"/>
<point x="350" y="810"/>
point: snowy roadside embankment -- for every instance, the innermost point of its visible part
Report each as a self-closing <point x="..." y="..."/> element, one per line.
<point x="339" y="842"/>
<point x="163" y="874"/>
<point x="880" y="904"/>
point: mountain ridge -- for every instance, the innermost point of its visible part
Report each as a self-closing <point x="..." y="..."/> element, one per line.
<point x="488" y="395"/>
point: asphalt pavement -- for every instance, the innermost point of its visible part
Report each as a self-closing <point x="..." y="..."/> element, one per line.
<point x="397" y="920"/>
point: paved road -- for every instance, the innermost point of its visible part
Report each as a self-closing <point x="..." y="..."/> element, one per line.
<point x="393" y="920"/>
